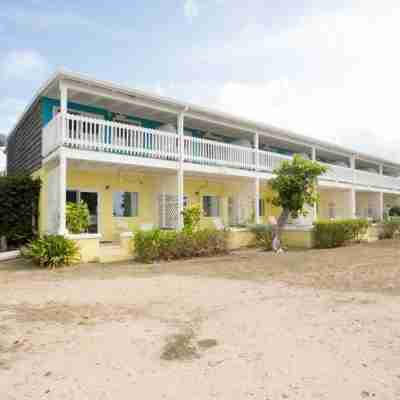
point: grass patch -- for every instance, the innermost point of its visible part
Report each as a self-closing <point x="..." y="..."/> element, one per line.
<point x="180" y="347"/>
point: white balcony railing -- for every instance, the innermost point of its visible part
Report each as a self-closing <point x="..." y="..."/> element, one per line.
<point x="338" y="174"/>
<point x="105" y="136"/>
<point x="209" y="152"/>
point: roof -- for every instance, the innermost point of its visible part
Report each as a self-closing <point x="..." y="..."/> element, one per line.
<point x="200" y="111"/>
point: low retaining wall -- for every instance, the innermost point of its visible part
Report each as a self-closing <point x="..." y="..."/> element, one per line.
<point x="294" y="237"/>
<point x="89" y="245"/>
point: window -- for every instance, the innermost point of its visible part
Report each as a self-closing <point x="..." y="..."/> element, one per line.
<point x="211" y="206"/>
<point x="261" y="207"/>
<point x="125" y="204"/>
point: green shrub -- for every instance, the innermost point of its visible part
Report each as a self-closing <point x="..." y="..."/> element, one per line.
<point x="77" y="217"/>
<point x="191" y="218"/>
<point x="394" y="211"/>
<point x="390" y="228"/>
<point x="19" y="201"/>
<point x="172" y="245"/>
<point x="337" y="233"/>
<point x="52" y="251"/>
<point x="263" y="234"/>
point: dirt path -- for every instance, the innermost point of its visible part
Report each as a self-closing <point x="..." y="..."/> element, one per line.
<point x="101" y="332"/>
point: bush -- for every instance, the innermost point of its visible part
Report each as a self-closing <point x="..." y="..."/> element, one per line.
<point x="394" y="211"/>
<point x="337" y="233"/>
<point x="390" y="228"/>
<point x="191" y="218"/>
<point x="171" y="245"/>
<point x="52" y="251"/>
<point x="19" y="200"/>
<point x="263" y="234"/>
<point x="77" y="217"/>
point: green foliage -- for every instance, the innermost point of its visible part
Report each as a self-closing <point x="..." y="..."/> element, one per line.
<point x="52" y="251"/>
<point x="295" y="185"/>
<point x="394" y="211"/>
<point x="337" y="233"/>
<point x="191" y="218"/>
<point x="264" y="236"/>
<point x="171" y="245"/>
<point x="19" y="200"/>
<point x="77" y="217"/>
<point x="390" y="228"/>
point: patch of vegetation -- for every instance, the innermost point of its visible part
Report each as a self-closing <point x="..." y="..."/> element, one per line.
<point x="390" y="228"/>
<point x="77" y="217"/>
<point x="329" y="234"/>
<point x="172" y="245"/>
<point x="180" y="347"/>
<point x="263" y="234"/>
<point x="19" y="201"/>
<point x="52" y="251"/>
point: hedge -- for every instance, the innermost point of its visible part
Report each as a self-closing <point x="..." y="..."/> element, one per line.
<point x="328" y="234"/>
<point x="159" y="244"/>
<point x="19" y="201"/>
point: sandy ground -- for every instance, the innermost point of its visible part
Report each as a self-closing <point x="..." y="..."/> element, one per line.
<point x="99" y="332"/>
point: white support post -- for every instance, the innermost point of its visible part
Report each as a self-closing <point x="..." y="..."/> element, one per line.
<point x="257" y="199"/>
<point x="62" y="193"/>
<point x="314" y="153"/>
<point x="180" y="174"/>
<point x="315" y="208"/>
<point x="381" y="169"/>
<point x="256" y="148"/>
<point x="353" y="167"/>
<point x="380" y="206"/>
<point x="353" y="205"/>
<point x="63" y="110"/>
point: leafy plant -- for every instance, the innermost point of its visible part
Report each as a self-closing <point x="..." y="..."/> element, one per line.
<point x="390" y="228"/>
<point x="77" y="217"/>
<point x="19" y="208"/>
<point x="170" y="245"/>
<point x="294" y="187"/>
<point x="337" y="233"/>
<point x="263" y="234"/>
<point x="191" y="218"/>
<point x="394" y="211"/>
<point x="52" y="251"/>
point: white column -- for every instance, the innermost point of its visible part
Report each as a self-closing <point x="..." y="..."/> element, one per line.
<point x="380" y="169"/>
<point x="353" y="205"/>
<point x="256" y="179"/>
<point x="180" y="174"/>
<point x="380" y="206"/>
<point x="63" y="110"/>
<point x="62" y="185"/>
<point x="353" y="167"/>
<point x="257" y="199"/>
<point x="314" y="154"/>
<point x="314" y="158"/>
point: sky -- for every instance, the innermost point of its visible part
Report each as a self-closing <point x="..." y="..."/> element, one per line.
<point x="324" y="68"/>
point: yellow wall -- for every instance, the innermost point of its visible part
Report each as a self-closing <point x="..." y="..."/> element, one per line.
<point x="341" y="198"/>
<point x="105" y="182"/>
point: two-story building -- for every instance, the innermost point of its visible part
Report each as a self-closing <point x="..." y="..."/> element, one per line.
<point x="138" y="159"/>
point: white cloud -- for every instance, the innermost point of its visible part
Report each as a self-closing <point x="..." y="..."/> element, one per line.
<point x="190" y="10"/>
<point x="333" y="76"/>
<point x="24" y="65"/>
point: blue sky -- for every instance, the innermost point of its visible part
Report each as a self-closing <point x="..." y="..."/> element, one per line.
<point x="328" y="69"/>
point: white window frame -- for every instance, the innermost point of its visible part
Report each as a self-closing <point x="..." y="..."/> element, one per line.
<point x="137" y="204"/>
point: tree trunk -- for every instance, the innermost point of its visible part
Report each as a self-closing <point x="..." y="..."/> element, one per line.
<point x="3" y="243"/>
<point x="277" y="231"/>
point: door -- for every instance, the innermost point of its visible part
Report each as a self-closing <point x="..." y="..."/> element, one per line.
<point x="91" y="199"/>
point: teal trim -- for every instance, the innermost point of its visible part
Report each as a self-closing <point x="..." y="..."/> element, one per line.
<point x="48" y="105"/>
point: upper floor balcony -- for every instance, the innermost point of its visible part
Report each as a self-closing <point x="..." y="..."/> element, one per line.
<point x="91" y="134"/>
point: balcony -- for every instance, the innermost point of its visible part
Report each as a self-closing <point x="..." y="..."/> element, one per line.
<point x="91" y="134"/>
